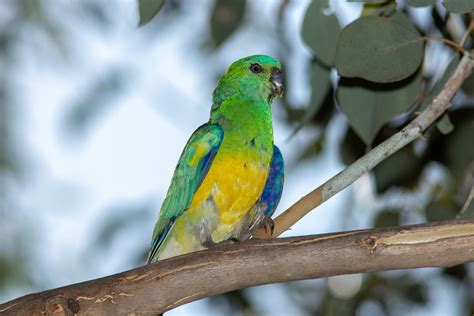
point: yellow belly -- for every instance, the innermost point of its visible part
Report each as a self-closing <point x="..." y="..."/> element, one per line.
<point x="234" y="182"/>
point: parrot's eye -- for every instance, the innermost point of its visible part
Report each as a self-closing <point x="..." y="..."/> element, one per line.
<point x="256" y="68"/>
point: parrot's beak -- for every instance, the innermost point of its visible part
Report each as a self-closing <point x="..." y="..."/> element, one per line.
<point x="277" y="79"/>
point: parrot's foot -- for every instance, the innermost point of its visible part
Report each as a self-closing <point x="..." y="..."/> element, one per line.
<point x="268" y="225"/>
<point x="211" y="244"/>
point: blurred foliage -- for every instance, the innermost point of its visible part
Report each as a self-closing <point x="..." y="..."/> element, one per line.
<point x="459" y="6"/>
<point x="369" y="105"/>
<point x="468" y="85"/>
<point x="320" y="31"/>
<point x="409" y="168"/>
<point x="116" y="222"/>
<point x="95" y="100"/>
<point x="230" y="302"/>
<point x="386" y="9"/>
<point x="421" y="3"/>
<point x="379" y="289"/>
<point x="147" y="9"/>
<point x="226" y="16"/>
<point x="382" y="62"/>
<point x="321" y="94"/>
<point x="387" y="218"/>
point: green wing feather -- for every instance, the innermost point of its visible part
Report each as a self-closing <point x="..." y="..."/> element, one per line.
<point x="193" y="165"/>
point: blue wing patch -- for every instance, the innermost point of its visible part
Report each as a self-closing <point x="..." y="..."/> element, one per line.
<point x="274" y="186"/>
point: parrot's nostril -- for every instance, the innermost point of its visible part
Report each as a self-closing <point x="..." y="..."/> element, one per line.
<point x="276" y="72"/>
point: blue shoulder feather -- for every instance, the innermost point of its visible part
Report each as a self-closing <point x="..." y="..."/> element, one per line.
<point x="274" y="186"/>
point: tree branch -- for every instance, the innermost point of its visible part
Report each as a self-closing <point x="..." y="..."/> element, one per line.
<point x="366" y="163"/>
<point x="172" y="282"/>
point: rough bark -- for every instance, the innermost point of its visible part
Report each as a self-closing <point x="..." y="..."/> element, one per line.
<point x="169" y="283"/>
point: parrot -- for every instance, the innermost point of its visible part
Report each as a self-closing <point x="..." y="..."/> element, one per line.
<point x="229" y="177"/>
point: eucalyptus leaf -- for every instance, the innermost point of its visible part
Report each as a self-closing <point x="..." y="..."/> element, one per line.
<point x="320" y="32"/>
<point x="445" y="126"/>
<point x="226" y="18"/>
<point x="455" y="150"/>
<point x="379" y="9"/>
<point x="387" y="218"/>
<point x="368" y="1"/>
<point x="320" y="85"/>
<point x="403" y="168"/>
<point x="95" y="101"/>
<point x="459" y="6"/>
<point x="442" y="209"/>
<point x="469" y="211"/>
<point x="368" y="106"/>
<point x="379" y="49"/>
<point x="148" y="9"/>
<point x="468" y="85"/>
<point x="352" y="147"/>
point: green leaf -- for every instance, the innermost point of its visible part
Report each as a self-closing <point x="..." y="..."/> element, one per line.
<point x="416" y="293"/>
<point x="444" y="125"/>
<point x="95" y="101"/>
<point x="469" y="211"/>
<point x="320" y="85"/>
<point x="379" y="9"/>
<point x="459" y="6"/>
<point x="226" y="17"/>
<point x="442" y="209"/>
<point x="148" y="9"/>
<point x="455" y="150"/>
<point x="458" y="272"/>
<point x="368" y="1"/>
<point x="379" y="49"/>
<point x="368" y="106"/>
<point x="468" y="85"/>
<point x="320" y="32"/>
<point x="351" y="147"/>
<point x="387" y="218"/>
<point x="312" y="148"/>
<point x="403" y="168"/>
<point x="421" y="3"/>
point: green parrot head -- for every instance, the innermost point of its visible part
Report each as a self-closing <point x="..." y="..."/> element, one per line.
<point x="254" y="78"/>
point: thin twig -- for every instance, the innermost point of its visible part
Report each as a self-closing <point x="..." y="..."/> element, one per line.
<point x="447" y="41"/>
<point x="467" y="33"/>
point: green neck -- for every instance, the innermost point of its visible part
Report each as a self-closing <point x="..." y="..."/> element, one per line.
<point x="246" y="118"/>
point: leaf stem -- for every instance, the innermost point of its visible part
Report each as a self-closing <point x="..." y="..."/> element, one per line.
<point x="447" y="41"/>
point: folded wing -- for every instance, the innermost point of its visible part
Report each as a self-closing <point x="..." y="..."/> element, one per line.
<point x="193" y="165"/>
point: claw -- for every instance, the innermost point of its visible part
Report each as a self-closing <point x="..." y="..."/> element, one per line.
<point x="263" y="222"/>
<point x="268" y="225"/>
<point x="212" y="244"/>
